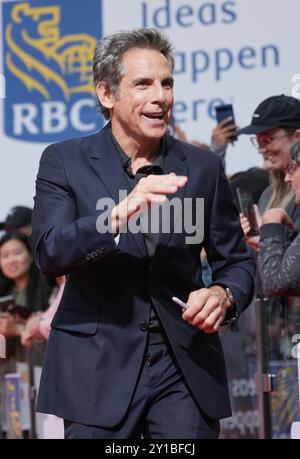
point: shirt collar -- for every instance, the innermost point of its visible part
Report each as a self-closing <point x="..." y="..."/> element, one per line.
<point x="157" y="166"/>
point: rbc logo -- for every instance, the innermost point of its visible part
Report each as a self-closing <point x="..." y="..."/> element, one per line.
<point x="48" y="52"/>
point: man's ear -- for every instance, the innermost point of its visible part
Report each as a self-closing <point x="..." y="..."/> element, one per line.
<point x="297" y="134"/>
<point x="105" y="95"/>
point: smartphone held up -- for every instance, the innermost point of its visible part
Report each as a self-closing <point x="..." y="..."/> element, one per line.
<point x="224" y="112"/>
<point x="249" y="210"/>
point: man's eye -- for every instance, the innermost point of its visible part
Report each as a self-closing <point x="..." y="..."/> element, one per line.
<point x="168" y="84"/>
<point x="142" y="85"/>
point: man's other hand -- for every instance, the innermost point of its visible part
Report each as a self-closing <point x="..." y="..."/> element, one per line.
<point x="207" y="308"/>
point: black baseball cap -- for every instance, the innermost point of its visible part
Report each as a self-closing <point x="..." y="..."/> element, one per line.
<point x="275" y="112"/>
<point x="17" y="217"/>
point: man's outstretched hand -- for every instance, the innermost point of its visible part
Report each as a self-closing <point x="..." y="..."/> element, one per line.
<point x="149" y="190"/>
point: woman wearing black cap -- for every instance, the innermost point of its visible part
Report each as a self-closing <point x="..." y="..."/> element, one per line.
<point x="275" y="127"/>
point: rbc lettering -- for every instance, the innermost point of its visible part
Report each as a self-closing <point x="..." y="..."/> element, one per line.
<point x="52" y="117"/>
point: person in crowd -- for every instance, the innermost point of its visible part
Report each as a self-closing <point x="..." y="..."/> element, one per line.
<point x="124" y="358"/>
<point x="39" y="324"/>
<point x="222" y="135"/>
<point x="18" y="219"/>
<point x="279" y="263"/>
<point x="253" y="181"/>
<point x="275" y="127"/>
<point x="20" y="278"/>
<point x="29" y="291"/>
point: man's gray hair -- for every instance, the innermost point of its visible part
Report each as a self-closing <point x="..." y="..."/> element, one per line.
<point x="107" y="63"/>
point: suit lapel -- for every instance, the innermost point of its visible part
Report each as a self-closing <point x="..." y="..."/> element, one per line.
<point x="105" y="162"/>
<point x="107" y="165"/>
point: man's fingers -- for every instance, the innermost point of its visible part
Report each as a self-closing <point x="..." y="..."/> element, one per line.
<point x="196" y="302"/>
<point x="160" y="184"/>
<point x="205" y="310"/>
<point x="151" y="189"/>
<point x="156" y="198"/>
<point x="212" y="324"/>
<point x="165" y="180"/>
<point x="199" y="314"/>
<point x="204" y="316"/>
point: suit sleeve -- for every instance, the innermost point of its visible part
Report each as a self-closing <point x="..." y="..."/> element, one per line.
<point x="60" y="241"/>
<point x="232" y="261"/>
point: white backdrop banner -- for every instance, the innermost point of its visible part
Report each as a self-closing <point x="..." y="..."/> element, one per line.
<point x="237" y="52"/>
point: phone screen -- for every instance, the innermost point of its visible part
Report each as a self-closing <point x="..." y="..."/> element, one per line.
<point x="223" y="112"/>
<point x="246" y="207"/>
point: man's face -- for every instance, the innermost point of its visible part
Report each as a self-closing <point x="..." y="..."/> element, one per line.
<point x="275" y="146"/>
<point x="142" y="108"/>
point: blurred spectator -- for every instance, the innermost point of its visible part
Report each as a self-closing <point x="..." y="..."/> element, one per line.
<point x="221" y="136"/>
<point x="20" y="278"/>
<point x="18" y="219"/>
<point x="19" y="275"/>
<point x="276" y="125"/>
<point x="279" y="263"/>
<point x="38" y="325"/>
<point x="253" y="181"/>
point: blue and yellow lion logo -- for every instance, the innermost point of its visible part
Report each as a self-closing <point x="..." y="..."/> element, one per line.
<point x="47" y="55"/>
<point x="44" y="56"/>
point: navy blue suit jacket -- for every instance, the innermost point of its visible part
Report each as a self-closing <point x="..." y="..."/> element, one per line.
<point x="98" y="340"/>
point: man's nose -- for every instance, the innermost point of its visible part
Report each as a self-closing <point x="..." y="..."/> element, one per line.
<point x="158" y="94"/>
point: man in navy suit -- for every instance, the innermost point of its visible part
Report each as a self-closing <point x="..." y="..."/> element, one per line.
<point x="124" y="360"/>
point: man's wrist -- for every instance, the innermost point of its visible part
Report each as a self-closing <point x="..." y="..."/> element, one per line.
<point x="229" y="304"/>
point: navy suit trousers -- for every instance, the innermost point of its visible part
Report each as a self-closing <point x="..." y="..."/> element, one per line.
<point x="162" y="406"/>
